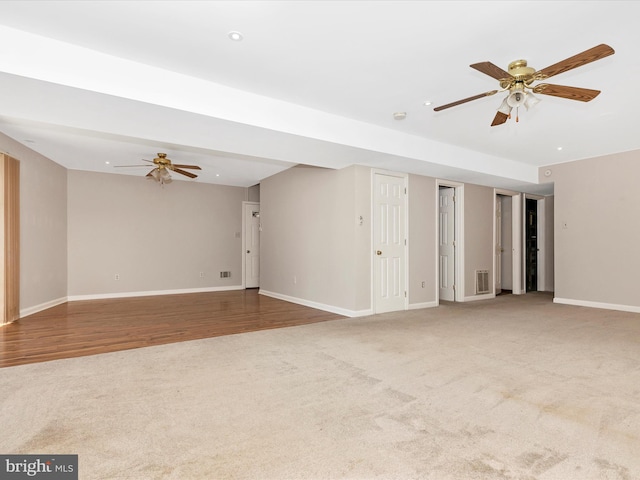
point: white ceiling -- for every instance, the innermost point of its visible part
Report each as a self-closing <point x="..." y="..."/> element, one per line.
<point x="312" y="82"/>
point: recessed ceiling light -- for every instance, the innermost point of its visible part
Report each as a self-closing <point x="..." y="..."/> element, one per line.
<point x="400" y="115"/>
<point x="235" y="36"/>
<point x="107" y="162"/>
<point x="217" y="174"/>
<point x="559" y="148"/>
<point x="426" y="103"/>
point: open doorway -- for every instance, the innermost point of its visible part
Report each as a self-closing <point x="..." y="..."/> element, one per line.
<point x="537" y="233"/>
<point x="531" y="245"/>
<point x="508" y="243"/>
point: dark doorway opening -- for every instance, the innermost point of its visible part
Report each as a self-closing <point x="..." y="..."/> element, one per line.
<point x="531" y="245"/>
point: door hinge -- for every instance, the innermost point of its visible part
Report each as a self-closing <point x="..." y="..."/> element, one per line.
<point x="454" y="287"/>
<point x="405" y="190"/>
<point x="454" y="199"/>
<point x="405" y="242"/>
<point x="453" y="243"/>
<point x="405" y="294"/>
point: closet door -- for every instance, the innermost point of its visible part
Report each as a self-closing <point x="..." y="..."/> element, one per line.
<point x="10" y="251"/>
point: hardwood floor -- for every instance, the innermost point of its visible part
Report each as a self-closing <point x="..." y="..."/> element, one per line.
<point x="82" y="328"/>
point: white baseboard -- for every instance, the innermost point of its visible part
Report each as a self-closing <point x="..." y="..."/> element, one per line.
<point x="606" y="306"/>
<point x="300" y="301"/>
<point x="25" y="312"/>
<point x="319" y="306"/>
<point x="101" y="296"/>
<point x="416" y="306"/>
<point x="473" y="298"/>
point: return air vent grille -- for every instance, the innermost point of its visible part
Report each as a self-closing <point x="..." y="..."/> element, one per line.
<point x="225" y="274"/>
<point x="482" y="281"/>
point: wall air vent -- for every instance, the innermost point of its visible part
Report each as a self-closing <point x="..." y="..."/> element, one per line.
<point x="482" y="281"/>
<point x="225" y="274"/>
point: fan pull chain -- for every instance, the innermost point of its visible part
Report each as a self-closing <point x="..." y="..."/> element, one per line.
<point x="517" y="117"/>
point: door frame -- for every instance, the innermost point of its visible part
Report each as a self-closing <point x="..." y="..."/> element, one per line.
<point x="245" y="204"/>
<point x="517" y="239"/>
<point x="405" y="266"/>
<point x="10" y="239"/>
<point x="458" y="256"/>
<point x="497" y="265"/>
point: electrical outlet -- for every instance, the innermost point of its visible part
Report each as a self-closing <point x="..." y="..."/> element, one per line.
<point x="295" y="280"/>
<point x="201" y="274"/>
<point x="423" y="284"/>
<point x="117" y="276"/>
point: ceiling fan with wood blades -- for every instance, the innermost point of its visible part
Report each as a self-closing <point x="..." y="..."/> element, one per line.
<point x="519" y="78"/>
<point x="162" y="167"/>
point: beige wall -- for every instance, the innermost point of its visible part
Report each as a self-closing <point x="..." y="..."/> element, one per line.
<point x="313" y="248"/>
<point x="362" y="240"/>
<point x="422" y="240"/>
<point x="155" y="238"/>
<point x="43" y="227"/>
<point x="314" y="251"/>
<point x="253" y="193"/>
<point x="478" y="234"/>
<point x="597" y="232"/>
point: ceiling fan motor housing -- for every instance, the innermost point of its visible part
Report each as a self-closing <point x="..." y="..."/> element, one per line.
<point x="522" y="76"/>
<point x="519" y="70"/>
<point x="162" y="160"/>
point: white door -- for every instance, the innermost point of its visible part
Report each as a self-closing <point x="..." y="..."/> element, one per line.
<point x="499" y="249"/>
<point x="389" y="243"/>
<point x="506" y="242"/>
<point x="252" y="245"/>
<point x="446" y="243"/>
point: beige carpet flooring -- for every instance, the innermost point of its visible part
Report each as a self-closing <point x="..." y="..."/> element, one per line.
<point x="510" y="388"/>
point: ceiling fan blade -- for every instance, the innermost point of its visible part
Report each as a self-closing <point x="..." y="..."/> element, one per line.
<point x="183" y="172"/>
<point x="492" y="70"/>
<point x="588" y="56"/>
<point x="195" y="167"/>
<point x="499" y="119"/>
<point x="571" y="93"/>
<point x="465" y="100"/>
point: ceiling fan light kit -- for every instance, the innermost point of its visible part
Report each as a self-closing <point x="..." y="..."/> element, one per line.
<point x="160" y="175"/>
<point x="161" y="172"/>
<point x="519" y="78"/>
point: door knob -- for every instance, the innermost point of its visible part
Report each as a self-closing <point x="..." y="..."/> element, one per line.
<point x="378" y="252"/>
<point x="248" y="251"/>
